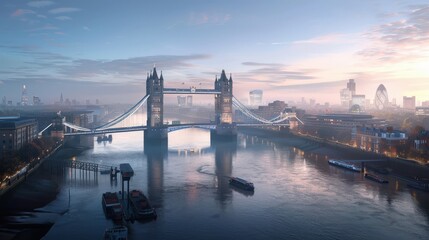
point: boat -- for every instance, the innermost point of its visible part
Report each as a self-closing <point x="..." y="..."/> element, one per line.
<point x="116" y="233"/>
<point x="375" y="178"/>
<point x="344" y="165"/>
<point x="104" y="138"/>
<point x="141" y="206"/>
<point x="112" y="206"/>
<point x="420" y="185"/>
<point x="241" y="183"/>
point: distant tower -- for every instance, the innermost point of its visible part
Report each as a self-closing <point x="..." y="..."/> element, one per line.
<point x="351" y="85"/>
<point x="381" y="99"/>
<point x="61" y="99"/>
<point x="255" y="97"/>
<point x="24" y="97"/>
<point x="409" y="103"/>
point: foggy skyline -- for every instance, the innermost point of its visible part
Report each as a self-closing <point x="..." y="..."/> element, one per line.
<point x="289" y="49"/>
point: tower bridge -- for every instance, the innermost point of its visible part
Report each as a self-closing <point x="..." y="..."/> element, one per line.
<point x="156" y="130"/>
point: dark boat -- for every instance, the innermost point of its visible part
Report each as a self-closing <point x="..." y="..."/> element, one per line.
<point x="241" y="183"/>
<point x="116" y="233"/>
<point x="420" y="184"/>
<point x="141" y="206"/>
<point x="112" y="206"/>
<point x="375" y="178"/>
<point x="104" y="138"/>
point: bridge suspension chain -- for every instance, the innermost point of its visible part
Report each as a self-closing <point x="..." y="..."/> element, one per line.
<point x="122" y="117"/>
<point x="76" y="127"/>
<point x="278" y="119"/>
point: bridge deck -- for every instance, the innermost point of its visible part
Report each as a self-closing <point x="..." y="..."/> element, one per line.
<point x="189" y="91"/>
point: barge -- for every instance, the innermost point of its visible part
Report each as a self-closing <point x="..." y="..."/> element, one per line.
<point x="345" y="165"/>
<point x="375" y="178"/>
<point x="112" y="206"/>
<point x="141" y="207"/>
<point x="116" y="233"/>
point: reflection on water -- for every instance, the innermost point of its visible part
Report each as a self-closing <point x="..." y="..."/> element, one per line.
<point x="297" y="194"/>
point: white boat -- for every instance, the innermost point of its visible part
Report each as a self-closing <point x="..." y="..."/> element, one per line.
<point x="344" y="165"/>
<point x="116" y="233"/>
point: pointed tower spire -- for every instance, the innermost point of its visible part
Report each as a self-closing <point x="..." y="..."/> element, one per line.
<point x="230" y="77"/>
<point x="161" y="77"/>
<point x="223" y="76"/>
<point x="154" y="74"/>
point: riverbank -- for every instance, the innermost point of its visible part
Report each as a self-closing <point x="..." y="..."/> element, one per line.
<point x="406" y="168"/>
<point x="21" y="208"/>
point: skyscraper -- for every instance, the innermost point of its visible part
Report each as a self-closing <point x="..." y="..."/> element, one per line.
<point x="381" y="99"/>
<point x="409" y="103"/>
<point x="351" y="85"/>
<point x="24" y="97"/>
<point x="255" y="97"/>
<point x="345" y="97"/>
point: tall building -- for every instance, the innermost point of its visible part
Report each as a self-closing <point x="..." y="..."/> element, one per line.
<point x="255" y="97"/>
<point x="381" y="99"/>
<point x="409" y="103"/>
<point x="24" y="97"/>
<point x="345" y="97"/>
<point x="61" y="99"/>
<point x="36" y="100"/>
<point x="425" y="104"/>
<point x="351" y="85"/>
<point x="358" y="100"/>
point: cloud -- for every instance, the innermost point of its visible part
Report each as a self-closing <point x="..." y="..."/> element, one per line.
<point x="22" y="12"/>
<point x="326" y="39"/>
<point x="405" y="38"/>
<point x="39" y="4"/>
<point x="276" y="71"/>
<point x="208" y="18"/>
<point x="63" y="18"/>
<point x="44" y="28"/>
<point x="86" y="28"/>
<point x="63" y="10"/>
<point x="260" y="64"/>
<point x="130" y="66"/>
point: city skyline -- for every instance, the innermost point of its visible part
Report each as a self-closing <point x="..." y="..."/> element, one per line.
<point x="287" y="49"/>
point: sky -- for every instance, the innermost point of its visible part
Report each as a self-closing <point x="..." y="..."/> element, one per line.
<point x="103" y="49"/>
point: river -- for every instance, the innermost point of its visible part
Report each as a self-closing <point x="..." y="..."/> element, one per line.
<point x="296" y="196"/>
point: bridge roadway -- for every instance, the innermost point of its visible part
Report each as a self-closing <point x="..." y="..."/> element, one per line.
<point x="171" y="128"/>
<point x="189" y="91"/>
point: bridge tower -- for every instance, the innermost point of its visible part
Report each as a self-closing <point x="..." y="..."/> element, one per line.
<point x="225" y="128"/>
<point x="156" y="131"/>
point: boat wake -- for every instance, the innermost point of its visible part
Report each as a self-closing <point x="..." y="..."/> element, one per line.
<point x="203" y="170"/>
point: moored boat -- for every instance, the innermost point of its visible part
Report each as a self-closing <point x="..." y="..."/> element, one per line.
<point x="112" y="206"/>
<point x="116" y="233"/>
<point x="141" y="206"/>
<point x="375" y="178"/>
<point x="423" y="186"/>
<point x="241" y="183"/>
<point x="344" y="165"/>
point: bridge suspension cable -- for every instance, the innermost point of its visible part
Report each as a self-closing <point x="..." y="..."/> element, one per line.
<point x="76" y="127"/>
<point x="122" y="117"/>
<point x="278" y="119"/>
<point x="41" y="132"/>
